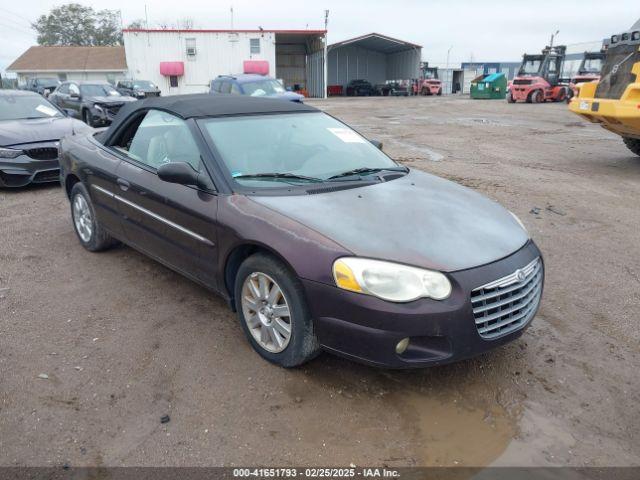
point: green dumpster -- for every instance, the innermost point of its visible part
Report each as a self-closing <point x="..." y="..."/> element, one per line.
<point x="492" y="86"/>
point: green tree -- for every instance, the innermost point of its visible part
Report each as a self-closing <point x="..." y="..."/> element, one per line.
<point x="137" y="24"/>
<point x="75" y="24"/>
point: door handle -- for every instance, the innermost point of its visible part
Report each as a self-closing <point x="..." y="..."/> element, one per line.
<point x="124" y="185"/>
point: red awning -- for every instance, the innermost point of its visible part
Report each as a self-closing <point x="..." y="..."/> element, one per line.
<point x="261" y="67"/>
<point x="169" y="69"/>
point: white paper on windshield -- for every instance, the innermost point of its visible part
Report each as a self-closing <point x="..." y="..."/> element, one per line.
<point x="346" y="135"/>
<point x="47" y="110"/>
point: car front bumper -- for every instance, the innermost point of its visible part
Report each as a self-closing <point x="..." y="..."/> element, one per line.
<point x="23" y="170"/>
<point x="367" y="329"/>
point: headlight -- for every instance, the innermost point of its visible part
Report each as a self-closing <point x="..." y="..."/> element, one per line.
<point x="98" y="107"/>
<point x="139" y="94"/>
<point x="519" y="222"/>
<point x="9" y="152"/>
<point x="389" y="281"/>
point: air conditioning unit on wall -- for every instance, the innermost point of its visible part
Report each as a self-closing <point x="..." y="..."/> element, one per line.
<point x="191" y="51"/>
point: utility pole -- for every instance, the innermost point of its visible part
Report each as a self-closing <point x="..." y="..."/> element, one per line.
<point x="326" y="54"/>
<point x="446" y="69"/>
<point x="231" y="17"/>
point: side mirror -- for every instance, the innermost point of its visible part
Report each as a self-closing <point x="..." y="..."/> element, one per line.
<point x="74" y="95"/>
<point x="183" y="174"/>
<point x="376" y="143"/>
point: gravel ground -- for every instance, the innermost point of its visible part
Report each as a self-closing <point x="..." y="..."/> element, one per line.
<point x="123" y="341"/>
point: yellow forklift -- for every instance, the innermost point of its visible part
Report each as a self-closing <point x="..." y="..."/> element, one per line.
<point x="614" y="100"/>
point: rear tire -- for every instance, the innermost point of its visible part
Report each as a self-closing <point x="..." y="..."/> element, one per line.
<point x="260" y="312"/>
<point x="562" y="95"/>
<point x="535" y="97"/>
<point x="632" y="144"/>
<point x="83" y="216"/>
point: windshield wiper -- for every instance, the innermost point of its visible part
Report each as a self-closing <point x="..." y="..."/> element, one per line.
<point x="287" y="175"/>
<point x="367" y="171"/>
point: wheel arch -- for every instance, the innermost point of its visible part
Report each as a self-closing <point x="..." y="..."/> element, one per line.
<point x="236" y="256"/>
<point x="69" y="181"/>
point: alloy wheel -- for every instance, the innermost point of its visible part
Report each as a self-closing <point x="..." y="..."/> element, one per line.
<point x="82" y="218"/>
<point x="266" y="312"/>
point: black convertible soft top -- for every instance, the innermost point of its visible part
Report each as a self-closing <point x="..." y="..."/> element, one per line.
<point x="205" y="105"/>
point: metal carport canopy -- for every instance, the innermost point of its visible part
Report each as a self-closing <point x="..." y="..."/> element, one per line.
<point x="373" y="57"/>
<point x="377" y="43"/>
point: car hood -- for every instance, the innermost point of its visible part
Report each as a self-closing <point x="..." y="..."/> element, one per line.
<point x="16" y="132"/>
<point x="111" y="99"/>
<point x="419" y="219"/>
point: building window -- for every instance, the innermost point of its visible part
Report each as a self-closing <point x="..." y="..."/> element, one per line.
<point x="62" y="77"/>
<point x="254" y="44"/>
<point x="173" y="81"/>
<point x="191" y="47"/>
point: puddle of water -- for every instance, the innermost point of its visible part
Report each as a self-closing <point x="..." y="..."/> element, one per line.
<point x="450" y="434"/>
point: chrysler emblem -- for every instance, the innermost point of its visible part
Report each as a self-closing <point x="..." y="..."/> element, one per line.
<point x="520" y="275"/>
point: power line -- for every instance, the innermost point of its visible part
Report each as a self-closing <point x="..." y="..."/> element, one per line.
<point x="25" y="19"/>
<point x="19" y="30"/>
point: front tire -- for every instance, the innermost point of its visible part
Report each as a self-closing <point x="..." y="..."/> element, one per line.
<point x="89" y="231"/>
<point x="632" y="144"/>
<point x="87" y="117"/>
<point x="510" y="98"/>
<point x="273" y="312"/>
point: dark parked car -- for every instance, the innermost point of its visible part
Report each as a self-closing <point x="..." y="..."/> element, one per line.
<point x="43" y="86"/>
<point x="397" y="89"/>
<point x="315" y="236"/>
<point x="359" y="88"/>
<point x="138" y="88"/>
<point x="252" y="85"/>
<point x="30" y="128"/>
<point x="95" y="103"/>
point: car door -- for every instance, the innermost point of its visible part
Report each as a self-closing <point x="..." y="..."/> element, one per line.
<point x="176" y="224"/>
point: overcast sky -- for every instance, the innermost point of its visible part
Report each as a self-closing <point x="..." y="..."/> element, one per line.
<point x="490" y="30"/>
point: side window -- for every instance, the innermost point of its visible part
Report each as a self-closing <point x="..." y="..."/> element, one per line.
<point x="215" y="86"/>
<point x="64" y="88"/>
<point x="225" y="87"/>
<point x="73" y="88"/>
<point x="254" y="46"/>
<point x="161" y="138"/>
<point x="235" y="89"/>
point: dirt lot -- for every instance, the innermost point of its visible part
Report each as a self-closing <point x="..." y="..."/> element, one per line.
<point x="124" y="341"/>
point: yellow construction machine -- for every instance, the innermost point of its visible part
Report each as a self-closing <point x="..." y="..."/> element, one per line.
<point x="614" y="100"/>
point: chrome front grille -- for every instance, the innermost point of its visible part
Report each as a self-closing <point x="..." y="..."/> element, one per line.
<point x="507" y="304"/>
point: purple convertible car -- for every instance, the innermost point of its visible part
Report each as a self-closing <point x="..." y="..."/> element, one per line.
<point x="313" y="235"/>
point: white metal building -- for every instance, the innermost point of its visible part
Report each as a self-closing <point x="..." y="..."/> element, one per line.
<point x="372" y="57"/>
<point x="185" y="61"/>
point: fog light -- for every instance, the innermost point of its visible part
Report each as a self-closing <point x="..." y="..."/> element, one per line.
<point x="402" y="346"/>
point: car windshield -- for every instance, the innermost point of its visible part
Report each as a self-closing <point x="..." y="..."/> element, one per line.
<point x="312" y="145"/>
<point x="99" y="90"/>
<point x="48" y="82"/>
<point x="260" y="88"/>
<point x="143" y="84"/>
<point x="21" y="107"/>
<point x="530" y="67"/>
